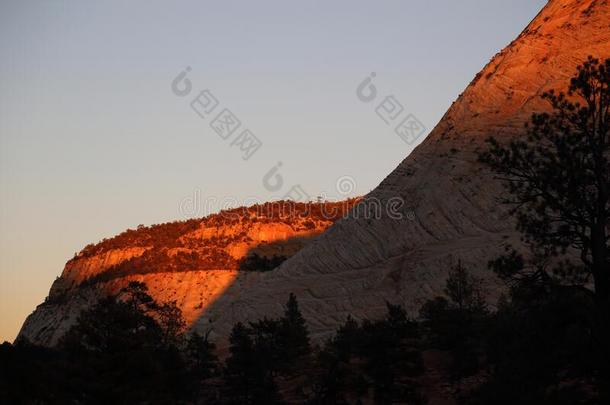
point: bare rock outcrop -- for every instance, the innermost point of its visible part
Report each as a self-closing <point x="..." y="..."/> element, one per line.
<point x="192" y="263"/>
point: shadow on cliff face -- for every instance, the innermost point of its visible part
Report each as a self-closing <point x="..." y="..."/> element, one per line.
<point x="197" y="286"/>
<point x="259" y="261"/>
<point x="194" y="284"/>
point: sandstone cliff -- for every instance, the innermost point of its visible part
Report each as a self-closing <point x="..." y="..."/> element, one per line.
<point x="191" y="262"/>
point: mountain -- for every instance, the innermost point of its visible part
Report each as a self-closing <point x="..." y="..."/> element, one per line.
<point x="451" y="213"/>
<point x="190" y="262"/>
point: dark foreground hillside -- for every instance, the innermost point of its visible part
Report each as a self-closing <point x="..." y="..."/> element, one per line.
<point x="536" y="349"/>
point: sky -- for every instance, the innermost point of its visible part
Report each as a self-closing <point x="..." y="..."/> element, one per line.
<point x="99" y="134"/>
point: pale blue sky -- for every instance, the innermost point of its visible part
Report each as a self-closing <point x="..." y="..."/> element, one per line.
<point x="93" y="141"/>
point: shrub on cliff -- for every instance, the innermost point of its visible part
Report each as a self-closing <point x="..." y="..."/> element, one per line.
<point x="255" y="262"/>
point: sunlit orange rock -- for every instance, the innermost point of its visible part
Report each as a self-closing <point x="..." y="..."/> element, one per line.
<point x="192" y="262"/>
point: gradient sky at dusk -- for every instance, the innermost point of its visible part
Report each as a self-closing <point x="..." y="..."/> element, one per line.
<point x="93" y="141"/>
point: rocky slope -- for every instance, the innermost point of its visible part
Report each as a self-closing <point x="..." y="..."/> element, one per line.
<point x="191" y="262"/>
<point x="358" y="264"/>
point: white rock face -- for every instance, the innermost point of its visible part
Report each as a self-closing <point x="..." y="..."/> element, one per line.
<point x="358" y="264"/>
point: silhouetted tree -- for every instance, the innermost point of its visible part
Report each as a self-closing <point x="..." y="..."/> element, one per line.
<point x="136" y="295"/>
<point x="464" y="290"/>
<point x="458" y="324"/>
<point x="346" y="340"/>
<point x="171" y="322"/>
<point x="294" y="339"/>
<point x="268" y="359"/>
<point x="201" y="353"/>
<point x="240" y="365"/>
<point x="264" y="349"/>
<point x="123" y="353"/>
<point x="376" y="357"/>
<point x="112" y="326"/>
<point x="558" y="177"/>
<point x="539" y="351"/>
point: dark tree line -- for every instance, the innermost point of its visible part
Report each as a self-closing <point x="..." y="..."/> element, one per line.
<point x="263" y="350"/>
<point x="535" y="349"/>
<point x="124" y="349"/>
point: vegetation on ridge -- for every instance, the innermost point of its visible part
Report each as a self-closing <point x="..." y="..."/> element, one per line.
<point x="169" y="249"/>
